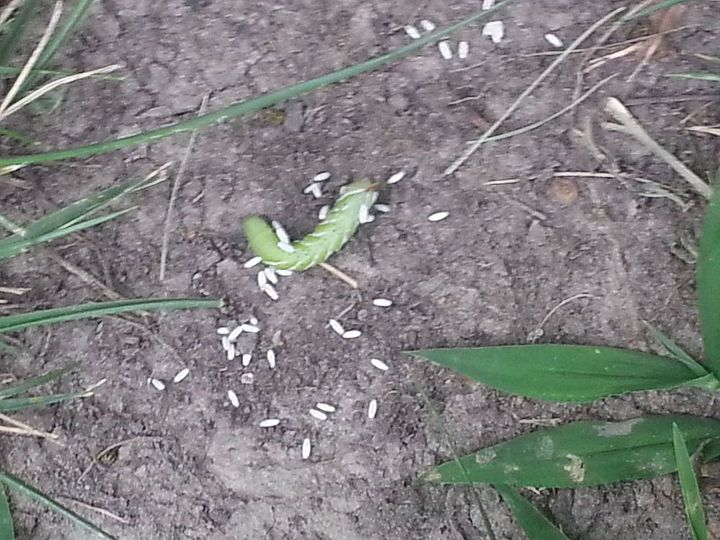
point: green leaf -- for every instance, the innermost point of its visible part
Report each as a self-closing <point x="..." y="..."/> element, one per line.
<point x="674" y="350"/>
<point x="533" y="522"/>
<point x="20" y="321"/>
<point x="581" y="454"/>
<point x="17" y="29"/>
<point x="700" y="76"/>
<point x="689" y="486"/>
<point x="17" y="404"/>
<point x="7" y="530"/>
<point x="572" y="373"/>
<point x="23" y="386"/>
<point x="14" y="483"/>
<point x="708" y="283"/>
<point x="246" y="107"/>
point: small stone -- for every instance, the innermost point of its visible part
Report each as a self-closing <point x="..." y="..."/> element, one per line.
<point x="563" y="191"/>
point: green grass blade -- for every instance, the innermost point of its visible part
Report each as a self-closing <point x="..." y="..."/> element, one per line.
<point x="581" y="454"/>
<point x="573" y="373"/>
<point x="14" y="483"/>
<point x="20" y="321"/>
<point x="532" y="521"/>
<point x="700" y="76"/>
<point x="17" y="404"/>
<point x="708" y="283"/>
<point x="17" y="29"/>
<point x="245" y="107"/>
<point x="58" y="39"/>
<point x="29" y="384"/>
<point x="7" y="530"/>
<point x="657" y="7"/>
<point x="689" y="486"/>
<point x="674" y="350"/>
<point x="18" y="245"/>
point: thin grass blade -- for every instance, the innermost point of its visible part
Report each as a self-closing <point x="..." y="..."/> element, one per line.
<point x="708" y="283"/>
<point x="21" y="321"/>
<point x="17" y="28"/>
<point x="14" y="483"/>
<point x="689" y="486"/>
<point x="654" y="8"/>
<point x="18" y="404"/>
<point x="674" y="350"/>
<point x="532" y="521"/>
<point x="58" y="39"/>
<point x="699" y="75"/>
<point x="7" y="529"/>
<point x="572" y="373"/>
<point x="19" y="137"/>
<point x="581" y="454"/>
<point x="245" y="107"/>
<point x="20" y="245"/>
<point x="29" y="384"/>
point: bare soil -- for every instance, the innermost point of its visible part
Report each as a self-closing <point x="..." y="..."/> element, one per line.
<point x="197" y="468"/>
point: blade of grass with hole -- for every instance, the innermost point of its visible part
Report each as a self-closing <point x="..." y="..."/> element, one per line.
<point x="23" y="386"/>
<point x="245" y="107"/>
<point x="708" y="283"/>
<point x="674" y="350"/>
<point x="531" y="520"/>
<point x="7" y="530"/>
<point x="573" y="373"/>
<point x="689" y="486"/>
<point x="581" y="454"/>
<point x="21" y="321"/>
<point x="17" y="29"/>
<point x="14" y="483"/>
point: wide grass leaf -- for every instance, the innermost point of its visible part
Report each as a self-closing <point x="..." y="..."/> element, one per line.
<point x="708" y="283"/>
<point x="7" y="530"/>
<point x="246" y="107"/>
<point x="574" y="373"/>
<point x="587" y="453"/>
<point x="689" y="485"/>
<point x="531" y="520"/>
<point x="13" y="323"/>
<point x="14" y="483"/>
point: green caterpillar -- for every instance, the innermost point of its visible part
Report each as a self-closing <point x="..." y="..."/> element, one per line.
<point x="329" y="236"/>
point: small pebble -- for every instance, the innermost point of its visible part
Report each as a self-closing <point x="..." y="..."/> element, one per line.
<point x="438" y="216"/>
<point x="306" y="447"/>
<point x="411" y="31"/>
<point x="270" y="422"/>
<point x="158" y="384"/>
<point x="234" y="401"/>
<point x="372" y="409"/>
<point x="181" y="375"/>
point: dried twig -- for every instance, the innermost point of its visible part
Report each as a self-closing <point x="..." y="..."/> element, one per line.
<point x="340" y="275"/>
<point x="630" y="126"/>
